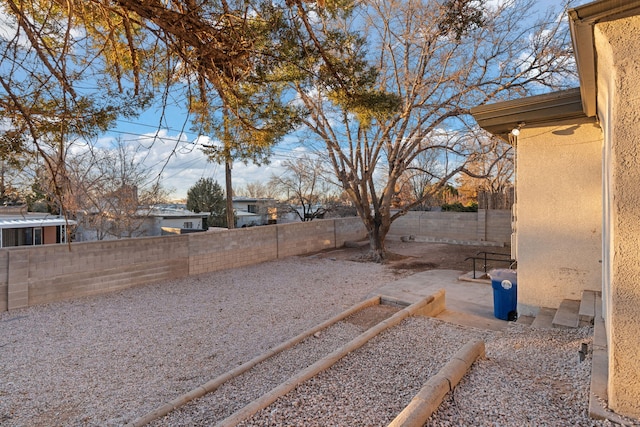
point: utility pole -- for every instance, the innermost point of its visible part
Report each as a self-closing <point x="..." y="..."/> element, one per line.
<point x="229" y="191"/>
<point x="3" y="189"/>
<point x="225" y="155"/>
<point x="227" y="170"/>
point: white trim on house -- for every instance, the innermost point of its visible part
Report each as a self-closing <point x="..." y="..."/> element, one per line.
<point x="35" y="222"/>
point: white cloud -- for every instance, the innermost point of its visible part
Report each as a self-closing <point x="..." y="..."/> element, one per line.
<point x="9" y="27"/>
<point x="180" y="163"/>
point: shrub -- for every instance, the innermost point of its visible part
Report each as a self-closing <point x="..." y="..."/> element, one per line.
<point x="459" y="207"/>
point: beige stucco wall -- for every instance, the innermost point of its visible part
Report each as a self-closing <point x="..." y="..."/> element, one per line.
<point x="618" y="55"/>
<point x="558" y="213"/>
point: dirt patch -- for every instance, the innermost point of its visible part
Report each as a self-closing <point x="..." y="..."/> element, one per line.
<point x="421" y="256"/>
<point x="414" y="265"/>
<point x="371" y="316"/>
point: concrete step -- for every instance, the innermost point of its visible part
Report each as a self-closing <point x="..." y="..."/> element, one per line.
<point x="587" y="310"/>
<point x="544" y="318"/>
<point x="475" y="276"/>
<point x="567" y="314"/>
<point x="525" y="320"/>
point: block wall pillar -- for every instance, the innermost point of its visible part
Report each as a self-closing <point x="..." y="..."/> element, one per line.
<point x="18" y="280"/>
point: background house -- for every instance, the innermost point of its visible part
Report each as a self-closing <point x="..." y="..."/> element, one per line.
<point x="577" y="215"/>
<point x="28" y="229"/>
<point x="252" y="211"/>
<point x="144" y="222"/>
<point x="172" y="219"/>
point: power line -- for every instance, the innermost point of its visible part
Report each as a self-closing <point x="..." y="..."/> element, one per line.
<point x="276" y="152"/>
<point x="152" y="126"/>
<point x="183" y="146"/>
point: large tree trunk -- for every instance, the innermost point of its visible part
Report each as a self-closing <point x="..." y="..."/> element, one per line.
<point x="377" y="228"/>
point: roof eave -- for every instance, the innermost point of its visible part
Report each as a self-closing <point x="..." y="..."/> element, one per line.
<point x="30" y="223"/>
<point x="581" y="22"/>
<point x="502" y="117"/>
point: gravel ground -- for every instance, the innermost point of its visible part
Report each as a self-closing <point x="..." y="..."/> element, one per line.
<point x="529" y="378"/>
<point x="240" y="391"/>
<point x="109" y="359"/>
<point x="370" y="386"/>
<point x="106" y="360"/>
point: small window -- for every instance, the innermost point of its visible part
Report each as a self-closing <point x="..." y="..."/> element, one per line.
<point x="27" y="236"/>
<point x="37" y="236"/>
<point x="187" y="225"/>
<point x="10" y="237"/>
<point x="252" y="209"/>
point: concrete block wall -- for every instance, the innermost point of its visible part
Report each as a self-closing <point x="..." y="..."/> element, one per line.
<point x="4" y="276"/>
<point x="484" y="225"/>
<point x="55" y="272"/>
<point x="305" y="237"/>
<point x="213" y="251"/>
<point x="41" y="274"/>
<point x="498" y="226"/>
<point x="349" y="229"/>
<point x="407" y="225"/>
<point x="17" y="279"/>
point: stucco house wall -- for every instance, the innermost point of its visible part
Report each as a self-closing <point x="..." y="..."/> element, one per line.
<point x="618" y="82"/>
<point x="558" y="213"/>
<point x="607" y="52"/>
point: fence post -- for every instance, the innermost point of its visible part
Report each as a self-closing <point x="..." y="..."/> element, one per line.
<point x="18" y="279"/>
<point x="481" y="225"/>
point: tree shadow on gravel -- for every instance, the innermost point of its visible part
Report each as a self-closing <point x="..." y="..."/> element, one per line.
<point x="420" y="256"/>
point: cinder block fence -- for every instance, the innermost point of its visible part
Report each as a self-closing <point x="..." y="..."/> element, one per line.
<point x="481" y="226"/>
<point x="41" y="274"/>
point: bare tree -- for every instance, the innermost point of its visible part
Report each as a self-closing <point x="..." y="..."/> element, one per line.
<point x="428" y="64"/>
<point x="493" y="174"/>
<point x="303" y="186"/>
<point x="111" y="191"/>
<point x="258" y="190"/>
<point x="421" y="182"/>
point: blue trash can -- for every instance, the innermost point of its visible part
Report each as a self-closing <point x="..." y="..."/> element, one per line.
<point x="505" y="293"/>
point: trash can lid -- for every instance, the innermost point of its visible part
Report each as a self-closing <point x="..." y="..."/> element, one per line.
<point x="503" y="274"/>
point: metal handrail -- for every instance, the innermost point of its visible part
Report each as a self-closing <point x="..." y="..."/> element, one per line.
<point x="484" y="258"/>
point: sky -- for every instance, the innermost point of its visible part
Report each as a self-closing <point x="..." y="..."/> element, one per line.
<point x="175" y="155"/>
<point x="172" y="152"/>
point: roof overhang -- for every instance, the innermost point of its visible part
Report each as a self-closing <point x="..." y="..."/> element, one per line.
<point x="581" y="22"/>
<point x="246" y="214"/>
<point x="502" y="117"/>
<point x="181" y="216"/>
<point x="34" y="222"/>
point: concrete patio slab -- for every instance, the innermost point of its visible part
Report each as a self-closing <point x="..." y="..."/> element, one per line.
<point x="467" y="303"/>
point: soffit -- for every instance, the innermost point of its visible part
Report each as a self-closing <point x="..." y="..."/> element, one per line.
<point x="500" y="118"/>
<point x="581" y="22"/>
